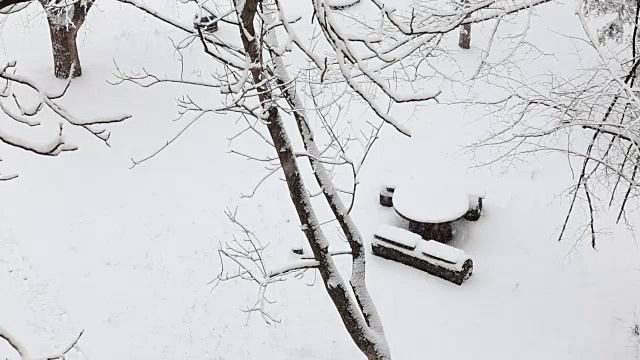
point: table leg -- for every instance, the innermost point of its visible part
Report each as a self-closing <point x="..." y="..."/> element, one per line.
<point x="442" y="232"/>
<point x="419" y="228"/>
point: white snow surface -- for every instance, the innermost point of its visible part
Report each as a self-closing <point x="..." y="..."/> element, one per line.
<point x="442" y="251"/>
<point x="398" y="235"/>
<point x="126" y="255"/>
<point x="421" y="201"/>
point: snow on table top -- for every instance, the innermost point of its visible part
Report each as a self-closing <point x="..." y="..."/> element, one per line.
<point x="442" y="251"/>
<point x="477" y="191"/>
<point x="390" y="178"/>
<point x="433" y="203"/>
<point x="396" y="234"/>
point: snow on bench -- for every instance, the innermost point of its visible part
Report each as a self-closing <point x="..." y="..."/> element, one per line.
<point x="388" y="186"/>
<point x="477" y="192"/>
<point x="437" y="259"/>
<point x="476" y="196"/>
<point x="442" y="252"/>
<point x="397" y="236"/>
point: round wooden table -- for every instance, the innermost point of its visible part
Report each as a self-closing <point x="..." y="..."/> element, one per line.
<point x="430" y="208"/>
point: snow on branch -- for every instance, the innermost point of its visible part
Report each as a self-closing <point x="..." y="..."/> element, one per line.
<point x="10" y="7"/>
<point x="22" y="110"/>
<point x="24" y="354"/>
<point x="242" y="258"/>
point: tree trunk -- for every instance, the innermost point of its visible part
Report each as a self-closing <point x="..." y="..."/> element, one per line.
<point x="465" y="32"/>
<point x="66" y="61"/>
<point x="373" y="345"/>
<point x="64" y="25"/>
<point x="465" y="36"/>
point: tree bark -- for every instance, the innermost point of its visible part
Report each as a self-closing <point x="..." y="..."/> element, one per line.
<point x="465" y="36"/>
<point x="64" y="32"/>
<point x="464" y="41"/>
<point x="66" y="61"/>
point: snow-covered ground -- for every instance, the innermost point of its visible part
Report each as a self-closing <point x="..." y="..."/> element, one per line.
<point x="86" y="243"/>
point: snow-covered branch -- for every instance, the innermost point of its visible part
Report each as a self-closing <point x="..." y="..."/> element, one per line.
<point x="243" y="259"/>
<point x="23" y="110"/>
<point x="24" y="354"/>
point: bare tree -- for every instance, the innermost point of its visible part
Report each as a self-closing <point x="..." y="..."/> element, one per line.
<point x="591" y="116"/>
<point x="380" y="64"/>
<point x="20" y="113"/>
<point x="65" y="17"/>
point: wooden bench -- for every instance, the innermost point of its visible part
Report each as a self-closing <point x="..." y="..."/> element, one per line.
<point x="408" y="248"/>
<point x="396" y="236"/>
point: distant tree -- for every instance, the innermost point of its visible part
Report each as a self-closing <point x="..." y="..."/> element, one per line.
<point x="65" y="17"/>
<point x="590" y="116"/>
<point x="619" y="16"/>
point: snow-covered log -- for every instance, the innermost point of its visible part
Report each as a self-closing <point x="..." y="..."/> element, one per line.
<point x="431" y="256"/>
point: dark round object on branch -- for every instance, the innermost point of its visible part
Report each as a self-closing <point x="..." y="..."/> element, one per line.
<point x="206" y="23"/>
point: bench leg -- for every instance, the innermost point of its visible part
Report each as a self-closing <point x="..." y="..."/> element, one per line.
<point x="386" y="199"/>
<point x="474" y="213"/>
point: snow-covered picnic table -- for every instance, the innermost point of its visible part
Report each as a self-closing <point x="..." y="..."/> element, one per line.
<point x="430" y="207"/>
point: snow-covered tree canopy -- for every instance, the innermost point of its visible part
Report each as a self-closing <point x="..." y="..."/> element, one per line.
<point x="619" y="17"/>
<point x="589" y="114"/>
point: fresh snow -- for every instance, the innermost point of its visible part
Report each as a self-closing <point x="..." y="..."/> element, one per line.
<point x="398" y="236"/>
<point x="420" y="253"/>
<point x="436" y="203"/>
<point x="442" y="251"/>
<point x="86" y="243"/>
